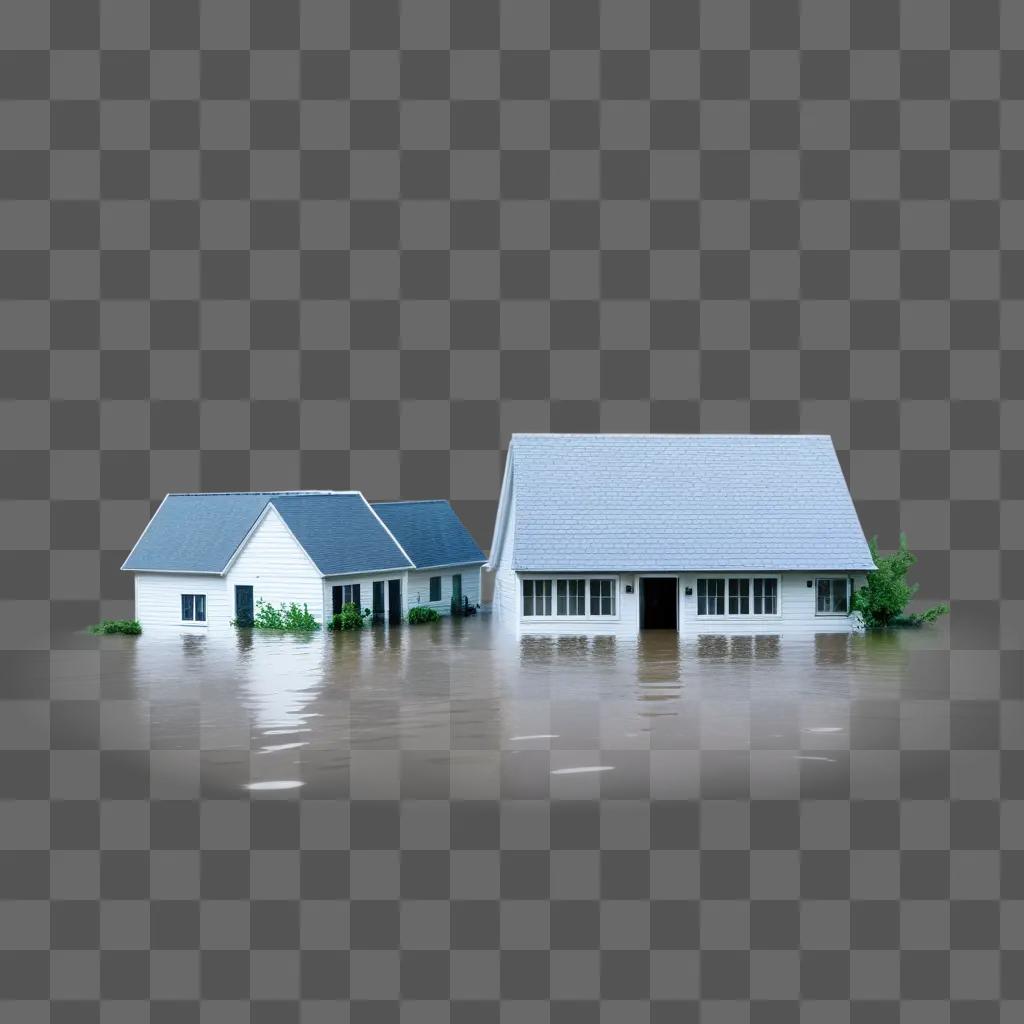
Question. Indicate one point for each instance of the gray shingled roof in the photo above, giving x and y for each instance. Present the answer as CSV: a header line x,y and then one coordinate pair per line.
x,y
430,532
674,502
201,532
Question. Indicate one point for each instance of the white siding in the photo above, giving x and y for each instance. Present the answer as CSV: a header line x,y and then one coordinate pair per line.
x,y
418,590
797,609
158,601
276,567
365,588
505,601
624,623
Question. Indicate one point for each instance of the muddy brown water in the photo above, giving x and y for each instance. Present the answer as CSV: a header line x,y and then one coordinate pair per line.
x,y
457,710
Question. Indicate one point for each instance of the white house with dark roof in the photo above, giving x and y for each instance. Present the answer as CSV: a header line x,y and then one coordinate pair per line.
x,y
700,533
204,560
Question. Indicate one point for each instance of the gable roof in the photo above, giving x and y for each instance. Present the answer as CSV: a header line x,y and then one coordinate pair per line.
x,y
201,532
340,533
674,502
195,532
430,532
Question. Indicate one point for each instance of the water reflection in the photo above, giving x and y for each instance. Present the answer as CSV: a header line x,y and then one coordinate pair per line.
x,y
458,710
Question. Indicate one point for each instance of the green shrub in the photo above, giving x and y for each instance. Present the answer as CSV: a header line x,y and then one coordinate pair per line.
x,y
130,627
421,613
286,617
883,600
350,617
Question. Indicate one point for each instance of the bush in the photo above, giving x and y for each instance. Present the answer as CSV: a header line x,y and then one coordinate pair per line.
x,y
350,617
130,627
287,617
883,600
421,613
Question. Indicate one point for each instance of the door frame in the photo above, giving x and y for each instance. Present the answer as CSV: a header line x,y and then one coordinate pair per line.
x,y
640,596
252,603
394,614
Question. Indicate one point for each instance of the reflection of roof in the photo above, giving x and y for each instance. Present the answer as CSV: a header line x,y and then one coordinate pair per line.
x,y
201,532
670,502
430,532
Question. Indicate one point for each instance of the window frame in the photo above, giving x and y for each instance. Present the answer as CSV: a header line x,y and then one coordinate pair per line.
x,y
724,580
195,620
553,579
832,580
754,596
430,589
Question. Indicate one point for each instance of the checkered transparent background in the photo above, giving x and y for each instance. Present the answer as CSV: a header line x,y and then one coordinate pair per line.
x,y
357,243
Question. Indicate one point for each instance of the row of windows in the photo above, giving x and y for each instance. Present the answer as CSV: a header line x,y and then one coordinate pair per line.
x,y
570,597
711,596
736,595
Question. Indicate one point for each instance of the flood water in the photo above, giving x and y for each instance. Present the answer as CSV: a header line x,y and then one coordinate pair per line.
x,y
456,710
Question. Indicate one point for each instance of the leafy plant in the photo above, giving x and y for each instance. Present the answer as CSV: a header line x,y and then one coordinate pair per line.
x,y
883,600
350,617
286,617
130,627
421,613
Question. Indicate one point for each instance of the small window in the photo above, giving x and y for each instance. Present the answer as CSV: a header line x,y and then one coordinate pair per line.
x,y
193,607
710,597
536,597
435,588
739,597
766,595
602,597
571,597
833,596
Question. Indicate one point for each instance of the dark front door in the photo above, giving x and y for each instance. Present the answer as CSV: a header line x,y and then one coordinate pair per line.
x,y
394,602
337,600
378,601
243,606
658,602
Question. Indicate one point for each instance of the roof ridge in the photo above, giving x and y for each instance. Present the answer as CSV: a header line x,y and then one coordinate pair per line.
x,y
412,501
748,436
251,494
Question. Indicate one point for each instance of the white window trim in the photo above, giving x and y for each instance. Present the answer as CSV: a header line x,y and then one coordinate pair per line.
x,y
199,623
849,597
740,616
586,617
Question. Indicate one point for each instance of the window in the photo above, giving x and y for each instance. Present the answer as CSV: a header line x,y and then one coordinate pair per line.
x,y
536,597
435,588
739,597
571,597
193,607
602,597
350,594
766,595
710,597
833,596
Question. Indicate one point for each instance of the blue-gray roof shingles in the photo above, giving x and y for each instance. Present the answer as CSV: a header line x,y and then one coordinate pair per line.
x,y
340,533
430,532
201,532
195,532
675,502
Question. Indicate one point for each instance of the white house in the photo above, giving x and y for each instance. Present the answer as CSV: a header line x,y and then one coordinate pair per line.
x,y
700,533
205,560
